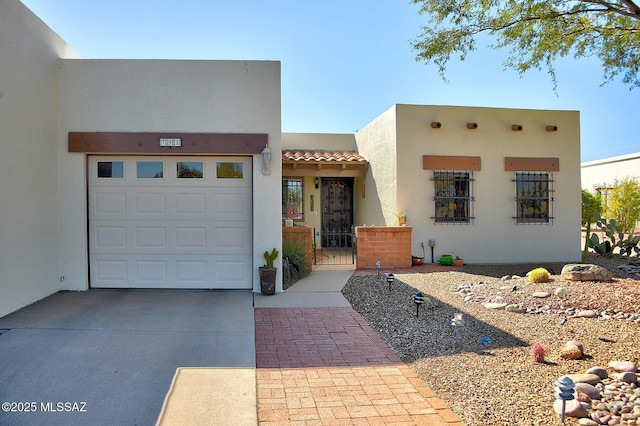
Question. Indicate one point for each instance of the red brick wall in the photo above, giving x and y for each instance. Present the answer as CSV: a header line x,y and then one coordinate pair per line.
x,y
296,235
391,245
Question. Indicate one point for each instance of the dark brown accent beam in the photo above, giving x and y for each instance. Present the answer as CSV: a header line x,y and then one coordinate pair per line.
x,y
531,164
445,162
149,143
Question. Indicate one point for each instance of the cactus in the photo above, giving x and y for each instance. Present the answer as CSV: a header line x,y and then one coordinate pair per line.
x,y
270,257
616,238
538,352
539,275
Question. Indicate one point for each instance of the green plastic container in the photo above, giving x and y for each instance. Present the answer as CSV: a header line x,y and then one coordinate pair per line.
x,y
446,260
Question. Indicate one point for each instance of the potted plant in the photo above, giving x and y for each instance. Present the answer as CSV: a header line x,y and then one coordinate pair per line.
x,y
268,273
415,260
402,218
458,261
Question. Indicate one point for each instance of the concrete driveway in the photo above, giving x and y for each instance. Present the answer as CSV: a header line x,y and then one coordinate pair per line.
x,y
107,357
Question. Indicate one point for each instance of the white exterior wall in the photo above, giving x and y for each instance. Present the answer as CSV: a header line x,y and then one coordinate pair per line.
x,y
604,172
29,238
167,96
493,237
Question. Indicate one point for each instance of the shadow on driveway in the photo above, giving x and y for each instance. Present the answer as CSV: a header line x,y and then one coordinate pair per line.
x,y
114,352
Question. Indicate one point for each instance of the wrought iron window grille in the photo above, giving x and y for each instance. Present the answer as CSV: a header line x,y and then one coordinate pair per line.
x,y
453,199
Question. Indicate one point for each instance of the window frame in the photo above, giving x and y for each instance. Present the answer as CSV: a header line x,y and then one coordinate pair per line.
x,y
463,201
538,198
286,185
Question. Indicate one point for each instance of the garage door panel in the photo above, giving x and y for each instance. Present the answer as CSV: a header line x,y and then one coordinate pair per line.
x,y
169,232
150,204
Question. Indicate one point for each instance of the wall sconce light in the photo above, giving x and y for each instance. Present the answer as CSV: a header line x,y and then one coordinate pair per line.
x,y
266,160
436,124
551,128
472,126
317,182
516,127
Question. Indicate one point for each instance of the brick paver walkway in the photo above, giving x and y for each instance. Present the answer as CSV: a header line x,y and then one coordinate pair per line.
x,y
326,366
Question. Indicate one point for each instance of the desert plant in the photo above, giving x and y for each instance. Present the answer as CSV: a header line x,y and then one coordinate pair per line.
x,y
294,263
538,352
616,238
591,206
270,257
539,275
624,203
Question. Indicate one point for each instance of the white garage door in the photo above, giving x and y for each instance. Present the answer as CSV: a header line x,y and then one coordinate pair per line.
x,y
170,222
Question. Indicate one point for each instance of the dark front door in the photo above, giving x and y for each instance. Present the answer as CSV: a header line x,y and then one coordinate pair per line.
x,y
337,211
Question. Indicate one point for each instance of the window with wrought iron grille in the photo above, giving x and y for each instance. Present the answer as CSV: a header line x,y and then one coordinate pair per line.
x,y
292,197
453,196
534,197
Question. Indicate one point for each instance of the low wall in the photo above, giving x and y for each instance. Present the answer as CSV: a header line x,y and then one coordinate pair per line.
x,y
300,235
391,245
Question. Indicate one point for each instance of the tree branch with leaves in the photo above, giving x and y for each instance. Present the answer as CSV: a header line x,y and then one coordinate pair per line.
x,y
537,33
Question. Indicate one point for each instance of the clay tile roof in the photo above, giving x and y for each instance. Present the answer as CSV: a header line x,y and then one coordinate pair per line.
x,y
309,155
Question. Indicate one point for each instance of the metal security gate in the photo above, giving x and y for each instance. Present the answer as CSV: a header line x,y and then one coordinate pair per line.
x,y
334,246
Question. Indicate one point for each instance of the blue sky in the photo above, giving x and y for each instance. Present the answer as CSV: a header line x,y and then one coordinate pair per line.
x,y
344,62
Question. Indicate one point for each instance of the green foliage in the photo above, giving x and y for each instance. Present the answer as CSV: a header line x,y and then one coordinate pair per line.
x,y
624,203
539,275
294,263
616,238
538,32
591,206
270,257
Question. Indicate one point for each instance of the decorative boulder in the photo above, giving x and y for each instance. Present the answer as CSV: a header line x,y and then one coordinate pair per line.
x,y
571,352
585,272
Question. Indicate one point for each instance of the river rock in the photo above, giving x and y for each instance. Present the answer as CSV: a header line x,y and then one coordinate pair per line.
x,y
495,305
587,313
626,377
573,408
592,379
588,389
585,421
571,352
585,272
623,366
541,294
517,308
600,371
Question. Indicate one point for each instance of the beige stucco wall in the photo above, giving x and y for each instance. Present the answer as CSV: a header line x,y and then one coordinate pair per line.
x,y
320,141
167,96
29,240
605,172
493,237
377,143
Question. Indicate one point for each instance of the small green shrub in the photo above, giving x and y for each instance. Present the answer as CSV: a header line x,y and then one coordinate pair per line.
x,y
539,275
294,263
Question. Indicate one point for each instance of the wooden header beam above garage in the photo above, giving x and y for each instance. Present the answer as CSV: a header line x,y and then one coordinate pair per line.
x,y
167,143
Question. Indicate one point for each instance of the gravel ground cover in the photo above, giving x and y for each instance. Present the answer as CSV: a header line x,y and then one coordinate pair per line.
x,y
494,381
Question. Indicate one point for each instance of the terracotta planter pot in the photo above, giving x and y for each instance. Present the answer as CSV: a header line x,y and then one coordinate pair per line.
x,y
416,261
458,262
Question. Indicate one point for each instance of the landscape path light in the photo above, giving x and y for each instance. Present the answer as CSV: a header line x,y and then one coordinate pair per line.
x,y
390,279
458,323
418,299
378,267
564,393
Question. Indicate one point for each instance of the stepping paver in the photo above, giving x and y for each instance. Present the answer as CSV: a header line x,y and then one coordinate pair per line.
x,y
326,366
